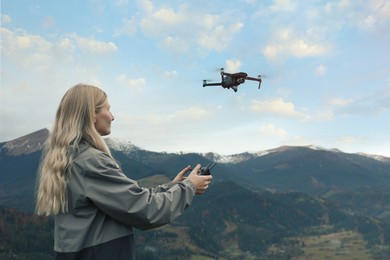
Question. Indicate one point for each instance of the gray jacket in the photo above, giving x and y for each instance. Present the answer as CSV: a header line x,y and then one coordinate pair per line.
x,y
104,204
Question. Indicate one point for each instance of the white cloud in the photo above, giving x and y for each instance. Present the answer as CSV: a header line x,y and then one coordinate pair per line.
x,y
191,113
5,19
98,7
340,102
26,49
381,8
321,70
217,39
376,14
128,27
147,5
368,22
279,107
298,48
176,30
91,45
49,22
269,130
320,116
33,50
131,83
232,65
66,45
290,41
347,140
175,44
37,69
283,6
166,22
374,102
276,106
371,103
170,74
171,123
312,29
122,2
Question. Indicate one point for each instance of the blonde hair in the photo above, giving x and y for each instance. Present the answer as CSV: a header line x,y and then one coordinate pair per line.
x,y
74,122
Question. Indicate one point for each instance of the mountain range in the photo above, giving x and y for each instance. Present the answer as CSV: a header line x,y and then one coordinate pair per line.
x,y
259,204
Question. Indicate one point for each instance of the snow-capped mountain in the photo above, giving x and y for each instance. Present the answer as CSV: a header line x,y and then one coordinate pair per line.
x,y
121,145
310,169
34,142
26,144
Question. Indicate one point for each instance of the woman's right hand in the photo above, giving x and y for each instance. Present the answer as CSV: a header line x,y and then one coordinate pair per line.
x,y
201,182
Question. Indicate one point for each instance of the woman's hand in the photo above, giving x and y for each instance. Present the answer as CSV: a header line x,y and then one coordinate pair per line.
x,y
201,182
180,176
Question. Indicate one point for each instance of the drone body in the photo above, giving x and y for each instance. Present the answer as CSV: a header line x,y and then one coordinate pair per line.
x,y
232,80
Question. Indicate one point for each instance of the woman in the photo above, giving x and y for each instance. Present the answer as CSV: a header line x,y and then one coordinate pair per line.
x,y
94,204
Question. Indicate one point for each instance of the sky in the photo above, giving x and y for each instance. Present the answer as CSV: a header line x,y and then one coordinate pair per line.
x,y
325,68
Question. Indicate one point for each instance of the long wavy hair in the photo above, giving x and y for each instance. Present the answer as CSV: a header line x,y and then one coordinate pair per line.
x,y
74,123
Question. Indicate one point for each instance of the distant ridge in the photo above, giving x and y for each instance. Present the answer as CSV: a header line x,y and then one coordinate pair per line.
x,y
33,142
26,144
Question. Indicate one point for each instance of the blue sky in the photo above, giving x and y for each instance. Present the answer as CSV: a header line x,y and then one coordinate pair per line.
x,y
327,68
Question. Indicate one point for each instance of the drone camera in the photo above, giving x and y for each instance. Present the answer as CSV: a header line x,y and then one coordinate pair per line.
x,y
206,170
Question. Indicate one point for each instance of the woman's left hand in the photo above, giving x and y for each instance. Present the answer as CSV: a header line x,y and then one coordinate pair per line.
x,y
180,176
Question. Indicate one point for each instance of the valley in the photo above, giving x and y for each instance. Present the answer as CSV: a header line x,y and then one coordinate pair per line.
x,y
285,203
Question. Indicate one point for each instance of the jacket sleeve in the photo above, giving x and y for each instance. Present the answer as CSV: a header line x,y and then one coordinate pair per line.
x,y
124,200
163,187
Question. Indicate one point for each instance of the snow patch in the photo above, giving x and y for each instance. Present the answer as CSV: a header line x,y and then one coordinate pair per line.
x,y
122,145
376,157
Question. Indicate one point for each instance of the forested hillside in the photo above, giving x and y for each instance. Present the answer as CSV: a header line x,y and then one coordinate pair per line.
x,y
275,204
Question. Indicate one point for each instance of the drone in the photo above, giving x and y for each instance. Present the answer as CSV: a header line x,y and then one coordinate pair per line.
x,y
232,80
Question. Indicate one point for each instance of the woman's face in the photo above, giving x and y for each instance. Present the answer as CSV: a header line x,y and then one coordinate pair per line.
x,y
103,119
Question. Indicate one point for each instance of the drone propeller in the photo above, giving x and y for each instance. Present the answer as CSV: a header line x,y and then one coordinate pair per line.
x,y
217,69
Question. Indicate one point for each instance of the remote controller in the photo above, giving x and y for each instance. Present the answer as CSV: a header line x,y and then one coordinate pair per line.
x,y
206,170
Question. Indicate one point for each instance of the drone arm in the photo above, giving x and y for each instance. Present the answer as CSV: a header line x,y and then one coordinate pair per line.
x,y
212,84
255,79
260,83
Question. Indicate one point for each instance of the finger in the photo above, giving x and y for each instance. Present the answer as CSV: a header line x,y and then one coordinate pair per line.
x,y
202,189
196,169
186,169
207,178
